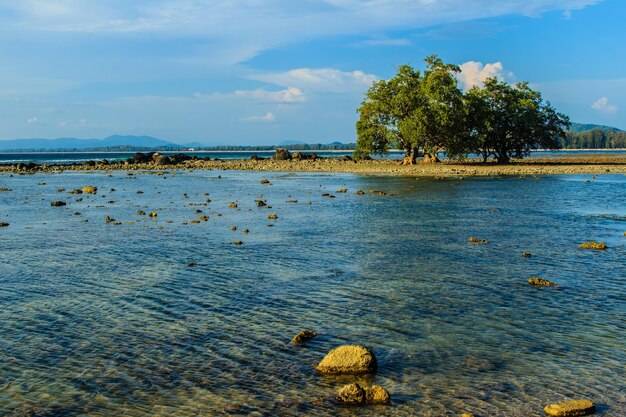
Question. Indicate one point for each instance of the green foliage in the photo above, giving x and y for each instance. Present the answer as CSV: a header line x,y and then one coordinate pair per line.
x,y
427,111
507,121
595,139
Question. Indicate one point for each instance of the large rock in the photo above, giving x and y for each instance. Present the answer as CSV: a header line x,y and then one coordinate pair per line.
x,y
348,360
571,408
282,154
161,159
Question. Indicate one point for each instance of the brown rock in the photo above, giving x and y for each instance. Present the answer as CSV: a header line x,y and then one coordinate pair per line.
x,y
141,212
351,394
272,216
539,282
58,203
476,240
348,360
592,244
88,189
376,395
571,408
303,336
153,214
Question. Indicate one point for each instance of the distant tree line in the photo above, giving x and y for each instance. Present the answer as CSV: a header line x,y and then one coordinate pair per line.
x,y
595,139
426,113
223,148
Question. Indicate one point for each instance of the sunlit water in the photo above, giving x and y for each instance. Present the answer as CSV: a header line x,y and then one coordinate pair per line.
x,y
100,319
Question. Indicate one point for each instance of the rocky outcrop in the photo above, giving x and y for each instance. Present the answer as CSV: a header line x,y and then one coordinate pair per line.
x,y
539,282
592,244
356,394
282,154
303,336
348,360
571,408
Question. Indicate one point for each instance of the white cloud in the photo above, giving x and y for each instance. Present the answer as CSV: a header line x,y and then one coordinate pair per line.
x,y
267,117
288,95
244,28
603,106
475,73
319,80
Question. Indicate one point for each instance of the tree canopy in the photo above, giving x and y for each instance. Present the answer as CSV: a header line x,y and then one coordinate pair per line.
x,y
427,112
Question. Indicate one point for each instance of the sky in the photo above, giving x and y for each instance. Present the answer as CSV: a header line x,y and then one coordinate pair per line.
x,y
268,71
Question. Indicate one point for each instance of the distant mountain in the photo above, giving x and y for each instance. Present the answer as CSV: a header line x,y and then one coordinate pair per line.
x,y
78,144
583,127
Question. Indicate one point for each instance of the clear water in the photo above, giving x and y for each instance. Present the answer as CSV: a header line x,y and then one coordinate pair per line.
x,y
99,319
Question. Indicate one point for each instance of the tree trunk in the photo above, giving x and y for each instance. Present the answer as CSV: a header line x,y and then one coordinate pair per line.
x,y
411,154
503,158
430,158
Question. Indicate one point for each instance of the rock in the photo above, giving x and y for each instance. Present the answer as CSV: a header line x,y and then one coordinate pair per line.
x,y
203,218
467,415
376,395
356,394
153,214
539,282
342,190
360,192
527,254
245,231
592,244
232,205
348,360
109,220
58,203
476,240
303,336
571,408
76,191
260,203
233,228
282,154
272,216
265,182
88,189
8,189
237,243
141,212
162,160
4,224
351,394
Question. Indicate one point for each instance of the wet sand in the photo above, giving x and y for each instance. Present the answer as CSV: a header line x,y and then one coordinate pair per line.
x,y
542,165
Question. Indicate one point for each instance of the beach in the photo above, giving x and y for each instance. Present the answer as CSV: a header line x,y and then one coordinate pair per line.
x,y
569,163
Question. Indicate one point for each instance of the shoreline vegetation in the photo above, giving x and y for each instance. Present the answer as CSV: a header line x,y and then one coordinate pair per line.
x,y
283,161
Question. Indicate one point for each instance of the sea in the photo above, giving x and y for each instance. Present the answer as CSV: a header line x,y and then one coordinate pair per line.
x,y
165,316
63,158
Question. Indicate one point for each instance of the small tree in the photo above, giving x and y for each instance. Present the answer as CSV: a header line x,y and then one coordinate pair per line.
x,y
507,121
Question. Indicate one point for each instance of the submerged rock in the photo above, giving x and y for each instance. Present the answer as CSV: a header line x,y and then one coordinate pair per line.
x,y
348,360
571,408
58,203
477,240
592,244
303,336
527,254
351,394
356,394
539,282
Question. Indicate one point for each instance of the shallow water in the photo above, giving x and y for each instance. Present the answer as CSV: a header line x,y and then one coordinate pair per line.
x,y
99,319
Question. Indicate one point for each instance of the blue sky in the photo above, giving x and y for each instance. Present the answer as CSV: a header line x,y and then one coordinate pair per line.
x,y
266,71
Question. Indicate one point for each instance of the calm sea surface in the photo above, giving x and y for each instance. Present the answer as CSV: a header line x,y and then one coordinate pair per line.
x,y
101,319
62,158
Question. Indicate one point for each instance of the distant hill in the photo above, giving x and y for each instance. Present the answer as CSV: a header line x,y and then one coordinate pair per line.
x,y
115,141
583,127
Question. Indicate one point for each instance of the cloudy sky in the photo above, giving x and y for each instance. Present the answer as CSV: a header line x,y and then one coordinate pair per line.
x,y
266,71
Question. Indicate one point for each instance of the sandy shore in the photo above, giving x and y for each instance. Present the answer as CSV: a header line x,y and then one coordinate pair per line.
x,y
544,165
